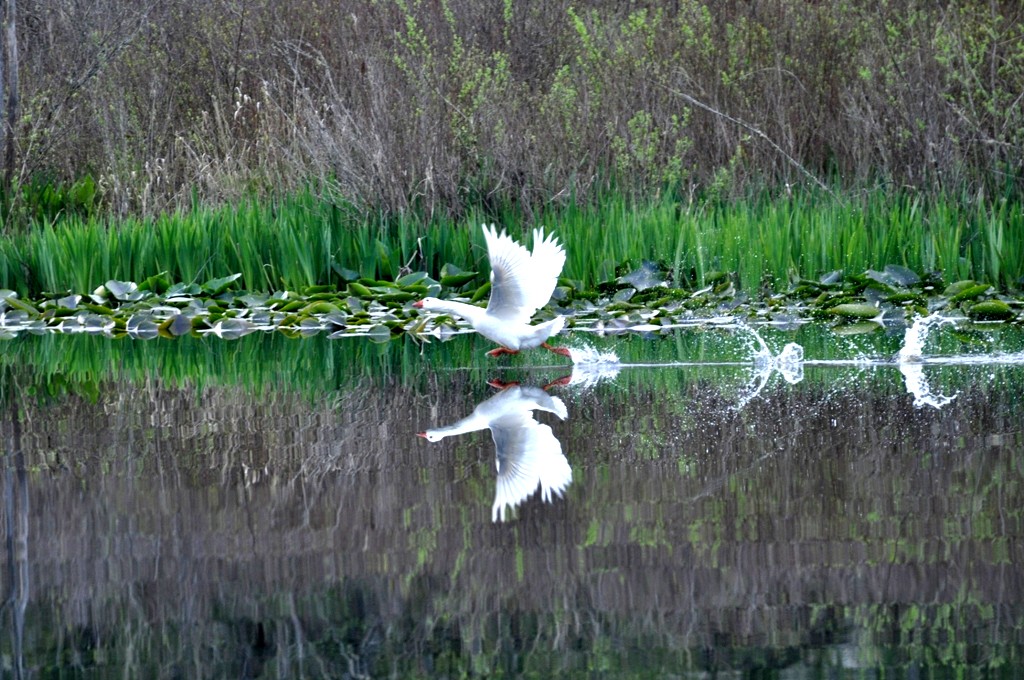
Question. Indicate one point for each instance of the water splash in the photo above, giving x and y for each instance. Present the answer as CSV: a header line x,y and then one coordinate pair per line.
x,y
591,366
760,352
917,385
589,356
789,363
910,361
915,336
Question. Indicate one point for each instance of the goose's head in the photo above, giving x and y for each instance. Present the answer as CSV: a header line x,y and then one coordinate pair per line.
x,y
427,303
431,435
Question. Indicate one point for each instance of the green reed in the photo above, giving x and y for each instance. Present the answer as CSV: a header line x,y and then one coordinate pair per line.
x,y
806,235
308,239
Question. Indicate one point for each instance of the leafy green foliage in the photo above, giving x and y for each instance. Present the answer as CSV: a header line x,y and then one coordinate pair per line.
x,y
43,198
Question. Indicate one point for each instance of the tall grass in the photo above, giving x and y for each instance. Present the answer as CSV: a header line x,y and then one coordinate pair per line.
x,y
307,240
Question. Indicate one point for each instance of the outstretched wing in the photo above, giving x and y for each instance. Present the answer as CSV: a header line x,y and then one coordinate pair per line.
x,y
528,455
521,282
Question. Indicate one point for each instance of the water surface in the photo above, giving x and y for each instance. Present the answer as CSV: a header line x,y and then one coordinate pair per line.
x,y
264,508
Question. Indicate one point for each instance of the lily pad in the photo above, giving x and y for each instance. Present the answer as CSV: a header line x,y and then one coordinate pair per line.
x,y
320,307
411,279
901,275
231,329
125,291
336,319
158,283
310,326
344,273
452,276
321,290
17,303
713,278
142,327
218,286
831,278
359,290
647,275
481,292
990,310
958,287
895,276
177,325
379,333
183,290
253,300
859,328
855,310
15,317
95,324
69,301
971,293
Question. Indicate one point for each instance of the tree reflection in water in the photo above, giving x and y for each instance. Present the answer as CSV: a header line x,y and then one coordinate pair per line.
x,y
214,531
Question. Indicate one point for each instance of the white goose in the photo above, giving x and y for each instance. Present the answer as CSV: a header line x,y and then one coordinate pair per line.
x,y
521,283
527,454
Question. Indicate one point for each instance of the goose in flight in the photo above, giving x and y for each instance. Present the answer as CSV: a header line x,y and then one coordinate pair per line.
x,y
521,283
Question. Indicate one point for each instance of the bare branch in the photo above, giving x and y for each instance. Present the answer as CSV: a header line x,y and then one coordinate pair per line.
x,y
750,128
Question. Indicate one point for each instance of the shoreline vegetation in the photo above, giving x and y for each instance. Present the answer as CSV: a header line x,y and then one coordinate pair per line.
x,y
304,265
300,146
766,243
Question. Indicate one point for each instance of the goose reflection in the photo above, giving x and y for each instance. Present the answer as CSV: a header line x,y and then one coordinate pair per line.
x,y
527,453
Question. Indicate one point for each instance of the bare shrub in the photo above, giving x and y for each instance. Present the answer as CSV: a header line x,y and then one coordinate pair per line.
x,y
438,106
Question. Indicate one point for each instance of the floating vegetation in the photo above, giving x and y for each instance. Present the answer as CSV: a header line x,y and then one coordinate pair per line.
x,y
642,301
375,309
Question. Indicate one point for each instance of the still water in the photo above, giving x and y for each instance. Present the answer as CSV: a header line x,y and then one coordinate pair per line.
x,y
721,505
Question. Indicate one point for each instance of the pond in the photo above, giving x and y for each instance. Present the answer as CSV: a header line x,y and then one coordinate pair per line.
x,y
725,501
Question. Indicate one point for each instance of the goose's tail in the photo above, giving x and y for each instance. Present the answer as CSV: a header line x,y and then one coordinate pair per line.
x,y
543,331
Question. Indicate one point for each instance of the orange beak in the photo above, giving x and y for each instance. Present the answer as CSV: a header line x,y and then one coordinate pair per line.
x,y
418,304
